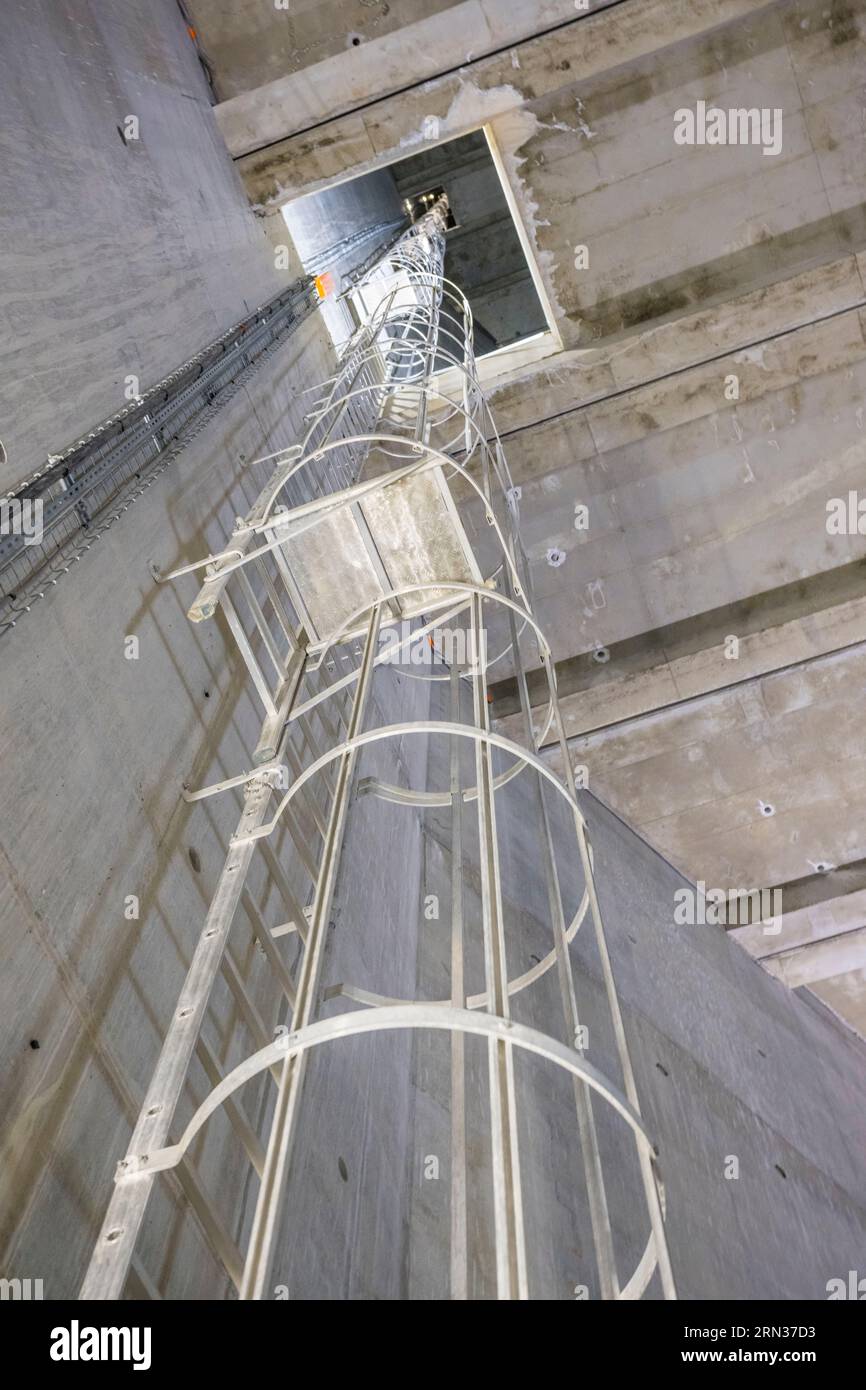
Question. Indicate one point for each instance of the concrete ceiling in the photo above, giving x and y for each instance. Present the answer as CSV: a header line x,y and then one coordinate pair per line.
x,y
250,43
707,513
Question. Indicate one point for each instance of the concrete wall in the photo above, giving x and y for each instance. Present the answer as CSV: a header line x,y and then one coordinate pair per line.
x,y
120,258
345,1230
250,44
695,501
707,519
317,223
728,1063
671,227
95,750
282,72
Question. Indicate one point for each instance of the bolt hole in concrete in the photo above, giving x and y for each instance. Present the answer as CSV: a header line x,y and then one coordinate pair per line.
x,y
34,1043
195,859
343,1169
767,809
601,655
207,694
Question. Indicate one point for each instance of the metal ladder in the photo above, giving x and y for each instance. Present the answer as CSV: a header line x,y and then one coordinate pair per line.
x,y
373,540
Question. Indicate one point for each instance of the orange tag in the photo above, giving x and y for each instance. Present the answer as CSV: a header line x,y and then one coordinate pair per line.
x,y
324,284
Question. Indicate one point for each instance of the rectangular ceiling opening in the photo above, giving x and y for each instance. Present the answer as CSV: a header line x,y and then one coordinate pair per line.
x,y
341,228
